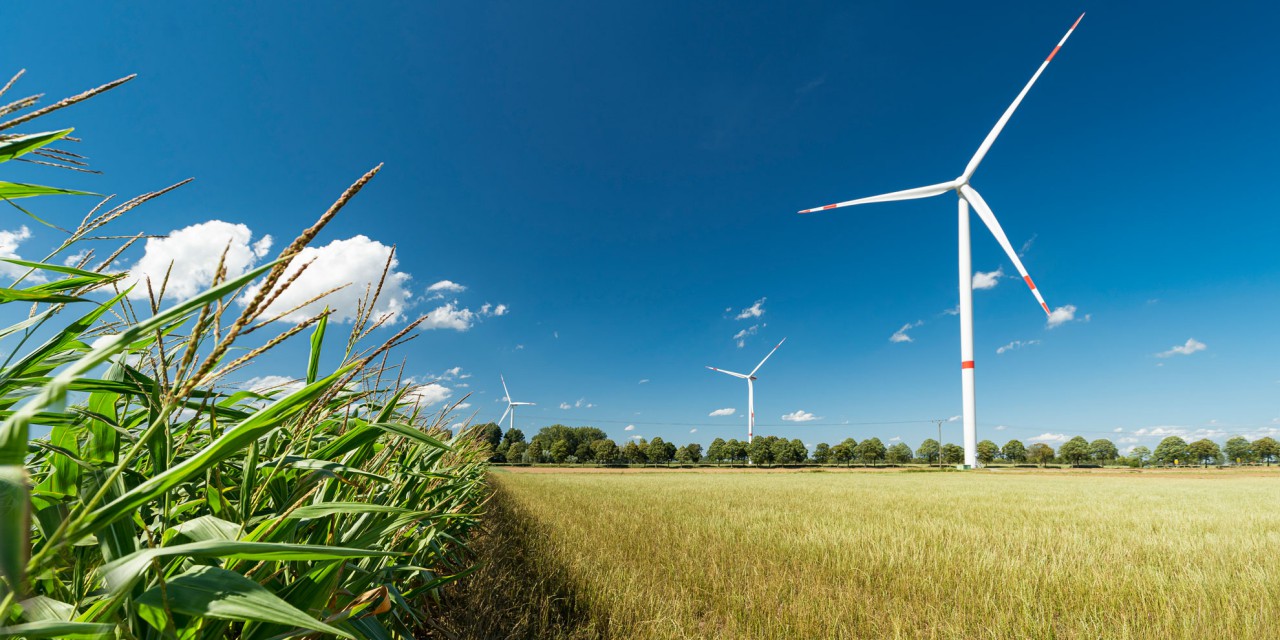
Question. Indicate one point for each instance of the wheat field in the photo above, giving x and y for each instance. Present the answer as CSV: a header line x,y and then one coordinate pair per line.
x,y
752,554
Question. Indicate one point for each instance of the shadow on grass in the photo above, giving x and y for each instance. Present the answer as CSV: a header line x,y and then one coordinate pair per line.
x,y
516,592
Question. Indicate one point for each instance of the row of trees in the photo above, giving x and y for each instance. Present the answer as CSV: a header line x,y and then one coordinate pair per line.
x,y
561,444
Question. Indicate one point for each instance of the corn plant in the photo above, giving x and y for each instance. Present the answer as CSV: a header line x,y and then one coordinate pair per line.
x,y
166,501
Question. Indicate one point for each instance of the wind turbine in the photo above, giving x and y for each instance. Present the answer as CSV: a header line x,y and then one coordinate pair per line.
x,y
969,196
751,392
511,406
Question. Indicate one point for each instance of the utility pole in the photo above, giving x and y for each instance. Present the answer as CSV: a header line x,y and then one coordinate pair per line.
x,y
939,423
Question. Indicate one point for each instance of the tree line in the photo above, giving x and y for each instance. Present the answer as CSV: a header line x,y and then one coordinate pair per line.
x,y
560,444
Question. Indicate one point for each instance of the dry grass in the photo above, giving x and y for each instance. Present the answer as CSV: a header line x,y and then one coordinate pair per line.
x,y
875,555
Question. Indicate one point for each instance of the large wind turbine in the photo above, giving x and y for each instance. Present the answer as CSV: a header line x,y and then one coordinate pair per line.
x,y
968,196
751,392
511,405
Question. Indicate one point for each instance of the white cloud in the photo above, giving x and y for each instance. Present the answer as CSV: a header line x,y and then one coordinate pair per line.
x,y
519,347
9,241
643,381
630,427
356,262
1000,427
1192,345
754,311
693,430
446,286
800,415
1119,430
71,260
452,316
901,334
1050,437
1062,315
895,439
637,438
566,406
263,384
741,336
1026,246
727,411
193,252
953,311
953,418
463,405
987,279
428,394
1016,344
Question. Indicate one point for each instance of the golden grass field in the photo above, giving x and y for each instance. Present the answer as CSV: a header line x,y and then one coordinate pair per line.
x,y
996,554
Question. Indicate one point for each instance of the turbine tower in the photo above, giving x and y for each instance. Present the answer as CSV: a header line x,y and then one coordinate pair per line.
x,y
511,405
751,392
969,196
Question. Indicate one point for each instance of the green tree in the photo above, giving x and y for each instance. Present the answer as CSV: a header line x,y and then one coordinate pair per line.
x,y
1014,451
690,453
1238,450
511,437
632,453
1103,451
928,451
657,451
1040,453
760,451
735,450
517,452
822,453
952,454
899,453
604,451
716,452
798,450
491,434
1171,450
1205,451
1139,455
987,452
1074,451
584,452
1266,449
559,451
841,453
870,451
783,452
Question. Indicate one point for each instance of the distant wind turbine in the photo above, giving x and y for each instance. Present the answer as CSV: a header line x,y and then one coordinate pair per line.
x,y
751,392
511,405
968,196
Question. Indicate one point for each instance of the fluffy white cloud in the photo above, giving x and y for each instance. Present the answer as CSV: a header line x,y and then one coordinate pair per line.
x,y
693,430
446,286
1016,344
9,241
428,394
1048,438
953,418
727,411
741,336
1119,429
451,316
566,406
1062,315
643,381
263,384
987,279
1192,345
895,439
356,262
800,415
754,311
901,334
637,438
71,260
193,253
1001,427
630,427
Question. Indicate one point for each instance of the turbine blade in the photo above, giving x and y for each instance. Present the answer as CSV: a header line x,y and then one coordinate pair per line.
x,y
984,212
753,371
909,194
991,137
504,387
504,415
736,375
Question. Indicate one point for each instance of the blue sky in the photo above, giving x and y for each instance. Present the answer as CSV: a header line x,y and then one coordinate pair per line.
x,y
623,178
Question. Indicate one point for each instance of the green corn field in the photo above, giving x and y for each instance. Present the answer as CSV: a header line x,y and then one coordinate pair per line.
x,y
144,493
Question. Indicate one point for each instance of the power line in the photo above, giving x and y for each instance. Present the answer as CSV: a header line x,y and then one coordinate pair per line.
x,y
721,424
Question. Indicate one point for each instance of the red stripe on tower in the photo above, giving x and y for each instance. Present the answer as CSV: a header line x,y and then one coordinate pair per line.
x,y
830,206
1051,55
967,364
1046,309
1029,282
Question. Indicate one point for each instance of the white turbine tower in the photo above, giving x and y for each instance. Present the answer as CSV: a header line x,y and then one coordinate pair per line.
x,y
751,392
511,405
968,196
